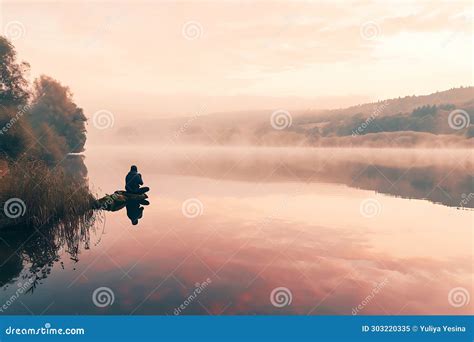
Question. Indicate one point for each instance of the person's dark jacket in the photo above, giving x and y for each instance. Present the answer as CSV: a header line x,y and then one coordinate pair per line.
x,y
133,180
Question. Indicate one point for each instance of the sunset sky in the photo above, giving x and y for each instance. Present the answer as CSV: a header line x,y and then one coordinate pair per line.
x,y
166,57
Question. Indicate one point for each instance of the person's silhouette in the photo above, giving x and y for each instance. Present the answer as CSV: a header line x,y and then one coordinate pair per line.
x,y
133,181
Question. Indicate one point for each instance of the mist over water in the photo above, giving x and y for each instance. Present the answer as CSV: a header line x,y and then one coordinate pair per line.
x,y
441,176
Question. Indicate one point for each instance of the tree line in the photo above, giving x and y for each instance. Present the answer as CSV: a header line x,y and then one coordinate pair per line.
x,y
38,121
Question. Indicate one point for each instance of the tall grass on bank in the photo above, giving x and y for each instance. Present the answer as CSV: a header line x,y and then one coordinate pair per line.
x,y
49,195
58,217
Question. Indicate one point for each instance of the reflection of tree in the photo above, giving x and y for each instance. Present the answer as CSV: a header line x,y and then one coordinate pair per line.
x,y
11,261
30,252
444,183
418,182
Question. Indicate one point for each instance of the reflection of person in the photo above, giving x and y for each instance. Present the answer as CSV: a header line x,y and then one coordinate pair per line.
x,y
133,181
134,211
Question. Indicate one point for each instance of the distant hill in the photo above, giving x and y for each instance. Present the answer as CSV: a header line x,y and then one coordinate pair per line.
x,y
456,96
438,119
429,113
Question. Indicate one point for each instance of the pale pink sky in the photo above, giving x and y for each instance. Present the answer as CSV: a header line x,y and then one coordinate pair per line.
x,y
304,54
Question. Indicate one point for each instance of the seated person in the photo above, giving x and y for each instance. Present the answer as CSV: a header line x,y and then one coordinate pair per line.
x,y
133,181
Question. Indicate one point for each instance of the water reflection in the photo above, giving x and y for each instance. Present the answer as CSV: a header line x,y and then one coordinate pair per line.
x,y
31,255
444,177
279,224
29,252
134,204
135,210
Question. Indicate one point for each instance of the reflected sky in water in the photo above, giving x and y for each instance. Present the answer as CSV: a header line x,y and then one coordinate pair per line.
x,y
271,218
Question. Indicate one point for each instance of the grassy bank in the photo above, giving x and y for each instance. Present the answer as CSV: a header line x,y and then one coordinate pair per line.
x,y
33,195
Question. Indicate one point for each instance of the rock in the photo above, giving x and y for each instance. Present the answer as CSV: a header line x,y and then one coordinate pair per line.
x,y
117,200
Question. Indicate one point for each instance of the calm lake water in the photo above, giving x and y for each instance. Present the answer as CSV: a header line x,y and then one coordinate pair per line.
x,y
265,231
